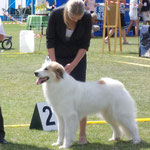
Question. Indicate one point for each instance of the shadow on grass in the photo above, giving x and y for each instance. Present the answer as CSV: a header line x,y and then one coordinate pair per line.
x,y
133,53
16,146
123,145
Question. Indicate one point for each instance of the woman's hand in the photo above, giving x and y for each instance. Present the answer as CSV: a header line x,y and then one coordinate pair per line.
x,y
69,67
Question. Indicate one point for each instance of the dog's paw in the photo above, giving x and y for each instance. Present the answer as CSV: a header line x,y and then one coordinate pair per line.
x,y
114,139
137,141
56,144
111,139
63,147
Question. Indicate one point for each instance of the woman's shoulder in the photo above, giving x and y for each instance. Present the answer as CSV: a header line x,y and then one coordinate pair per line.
x,y
86,15
58,10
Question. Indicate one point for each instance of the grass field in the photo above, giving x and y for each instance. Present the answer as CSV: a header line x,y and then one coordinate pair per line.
x,y
19,93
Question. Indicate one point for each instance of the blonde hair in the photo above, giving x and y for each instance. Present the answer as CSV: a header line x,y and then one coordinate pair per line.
x,y
75,7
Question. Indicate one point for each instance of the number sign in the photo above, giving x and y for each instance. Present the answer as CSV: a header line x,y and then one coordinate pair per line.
x,y
43,118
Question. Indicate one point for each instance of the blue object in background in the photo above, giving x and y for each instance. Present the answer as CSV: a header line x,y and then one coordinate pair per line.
x,y
28,2
144,41
60,2
50,2
12,4
100,15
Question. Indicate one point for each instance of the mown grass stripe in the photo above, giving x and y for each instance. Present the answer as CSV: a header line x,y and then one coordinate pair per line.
x,y
129,63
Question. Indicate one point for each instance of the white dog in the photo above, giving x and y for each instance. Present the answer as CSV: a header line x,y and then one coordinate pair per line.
x,y
72,100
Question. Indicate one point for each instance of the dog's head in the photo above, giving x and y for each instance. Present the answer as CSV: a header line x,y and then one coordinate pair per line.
x,y
50,71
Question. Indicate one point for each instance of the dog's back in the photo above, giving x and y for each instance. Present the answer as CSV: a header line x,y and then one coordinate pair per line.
x,y
110,95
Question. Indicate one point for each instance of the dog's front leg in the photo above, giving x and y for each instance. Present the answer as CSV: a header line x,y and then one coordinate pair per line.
x,y
71,125
60,132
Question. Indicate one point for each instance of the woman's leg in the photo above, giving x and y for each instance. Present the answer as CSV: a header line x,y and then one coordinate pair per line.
x,y
111,32
82,138
124,36
129,27
137,27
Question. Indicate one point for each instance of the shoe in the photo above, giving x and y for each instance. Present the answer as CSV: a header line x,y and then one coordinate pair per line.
x,y
3,141
125,42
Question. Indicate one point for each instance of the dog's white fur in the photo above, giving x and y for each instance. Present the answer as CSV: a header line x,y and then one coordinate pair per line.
x,y
72,100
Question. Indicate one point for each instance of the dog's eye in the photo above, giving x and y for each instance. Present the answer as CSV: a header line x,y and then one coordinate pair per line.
x,y
46,69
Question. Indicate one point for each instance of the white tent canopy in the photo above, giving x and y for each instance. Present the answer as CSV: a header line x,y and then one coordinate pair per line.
x,y
3,4
21,3
6,4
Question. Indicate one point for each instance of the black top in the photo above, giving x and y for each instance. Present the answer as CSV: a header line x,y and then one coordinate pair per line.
x,y
56,31
146,5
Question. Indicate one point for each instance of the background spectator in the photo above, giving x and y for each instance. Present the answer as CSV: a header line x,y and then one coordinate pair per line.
x,y
123,24
133,13
2,32
90,5
145,11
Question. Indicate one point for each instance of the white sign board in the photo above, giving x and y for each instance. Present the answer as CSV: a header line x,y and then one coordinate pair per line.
x,y
43,118
4,5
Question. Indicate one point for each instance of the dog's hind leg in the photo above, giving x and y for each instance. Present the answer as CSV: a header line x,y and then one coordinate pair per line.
x,y
114,125
71,125
60,132
116,132
130,129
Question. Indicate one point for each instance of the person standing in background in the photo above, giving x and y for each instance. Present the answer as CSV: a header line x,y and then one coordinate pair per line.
x,y
133,13
90,5
2,132
2,31
51,5
123,24
145,11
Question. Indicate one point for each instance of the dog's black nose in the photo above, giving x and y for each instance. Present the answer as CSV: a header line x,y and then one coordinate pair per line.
x,y
36,74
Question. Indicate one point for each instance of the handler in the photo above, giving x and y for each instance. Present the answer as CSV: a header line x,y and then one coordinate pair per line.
x,y
2,132
68,38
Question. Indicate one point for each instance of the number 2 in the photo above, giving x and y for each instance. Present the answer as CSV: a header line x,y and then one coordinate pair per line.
x,y
48,121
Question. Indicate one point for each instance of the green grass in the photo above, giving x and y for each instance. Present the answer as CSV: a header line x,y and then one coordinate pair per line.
x,y
19,93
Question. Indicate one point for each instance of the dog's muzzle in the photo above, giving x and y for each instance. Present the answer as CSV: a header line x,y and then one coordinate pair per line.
x,y
40,80
36,74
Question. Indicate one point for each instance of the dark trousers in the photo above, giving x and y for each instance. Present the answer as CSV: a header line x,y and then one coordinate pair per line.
x,y
2,132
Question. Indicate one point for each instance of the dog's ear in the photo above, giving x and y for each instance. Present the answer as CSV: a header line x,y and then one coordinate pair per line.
x,y
47,59
59,72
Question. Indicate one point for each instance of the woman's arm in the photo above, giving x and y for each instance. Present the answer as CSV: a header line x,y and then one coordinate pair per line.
x,y
51,36
50,31
51,54
74,63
